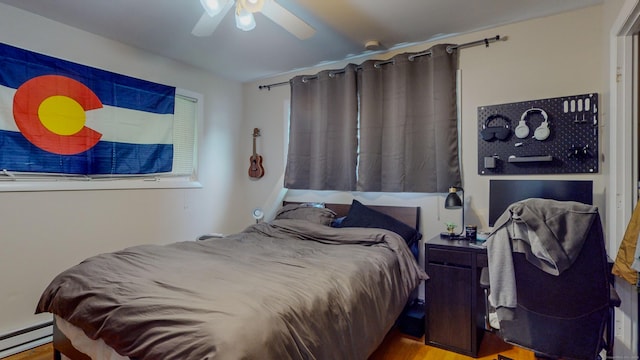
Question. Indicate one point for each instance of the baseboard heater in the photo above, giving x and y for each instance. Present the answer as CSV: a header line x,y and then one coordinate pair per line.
x,y
24,339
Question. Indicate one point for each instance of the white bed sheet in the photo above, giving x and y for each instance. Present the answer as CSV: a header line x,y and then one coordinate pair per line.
x,y
96,349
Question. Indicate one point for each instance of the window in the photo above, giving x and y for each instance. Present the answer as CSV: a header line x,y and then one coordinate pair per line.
x,y
187,116
381,126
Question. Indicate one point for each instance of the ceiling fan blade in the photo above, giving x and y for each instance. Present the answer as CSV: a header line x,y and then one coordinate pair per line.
x,y
287,20
207,24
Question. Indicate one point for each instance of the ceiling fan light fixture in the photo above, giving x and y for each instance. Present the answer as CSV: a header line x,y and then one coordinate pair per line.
x,y
252,5
373,45
213,7
244,19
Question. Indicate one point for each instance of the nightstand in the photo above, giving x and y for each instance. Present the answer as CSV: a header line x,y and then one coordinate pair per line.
x,y
454,300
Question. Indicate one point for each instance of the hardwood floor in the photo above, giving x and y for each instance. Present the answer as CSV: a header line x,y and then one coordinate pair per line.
x,y
396,346
44,352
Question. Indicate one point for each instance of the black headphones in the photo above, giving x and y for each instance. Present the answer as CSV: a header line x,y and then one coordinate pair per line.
x,y
490,133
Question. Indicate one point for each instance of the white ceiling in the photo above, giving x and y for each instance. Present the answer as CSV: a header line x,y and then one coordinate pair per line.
x,y
342,28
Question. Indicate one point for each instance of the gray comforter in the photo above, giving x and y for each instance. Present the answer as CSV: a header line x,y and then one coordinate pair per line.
x,y
288,289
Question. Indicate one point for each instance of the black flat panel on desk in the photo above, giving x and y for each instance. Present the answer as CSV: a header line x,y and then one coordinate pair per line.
x,y
503,193
454,300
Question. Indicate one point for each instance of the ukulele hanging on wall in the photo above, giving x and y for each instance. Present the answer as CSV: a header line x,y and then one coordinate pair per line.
x,y
256,171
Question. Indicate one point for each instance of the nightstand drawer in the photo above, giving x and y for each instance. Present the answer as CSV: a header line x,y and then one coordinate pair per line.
x,y
449,257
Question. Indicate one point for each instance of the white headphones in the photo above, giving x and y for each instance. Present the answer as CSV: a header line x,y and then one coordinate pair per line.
x,y
542,132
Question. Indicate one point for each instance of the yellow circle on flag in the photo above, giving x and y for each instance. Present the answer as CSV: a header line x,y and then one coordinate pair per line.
x,y
62,115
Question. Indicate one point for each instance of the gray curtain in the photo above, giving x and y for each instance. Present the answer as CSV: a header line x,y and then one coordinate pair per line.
x,y
408,123
408,134
323,137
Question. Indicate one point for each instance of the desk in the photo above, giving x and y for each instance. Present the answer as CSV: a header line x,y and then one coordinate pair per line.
x,y
453,298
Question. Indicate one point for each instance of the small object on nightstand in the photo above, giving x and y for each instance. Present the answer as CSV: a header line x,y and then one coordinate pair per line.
x,y
482,236
453,236
451,227
471,231
477,245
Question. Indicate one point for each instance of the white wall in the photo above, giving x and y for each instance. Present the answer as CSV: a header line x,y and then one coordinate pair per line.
x,y
43,233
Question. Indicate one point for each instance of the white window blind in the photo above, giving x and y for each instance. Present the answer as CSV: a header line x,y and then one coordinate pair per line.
x,y
184,135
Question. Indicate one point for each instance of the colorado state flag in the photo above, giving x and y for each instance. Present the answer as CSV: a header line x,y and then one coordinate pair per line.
x,y
61,117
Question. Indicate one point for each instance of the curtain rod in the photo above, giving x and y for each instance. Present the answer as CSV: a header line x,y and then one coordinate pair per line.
x,y
450,49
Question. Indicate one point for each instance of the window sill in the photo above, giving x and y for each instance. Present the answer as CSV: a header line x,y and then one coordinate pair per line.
x,y
98,184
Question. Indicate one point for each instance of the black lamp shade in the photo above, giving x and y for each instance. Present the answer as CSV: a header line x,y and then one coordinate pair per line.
x,y
453,201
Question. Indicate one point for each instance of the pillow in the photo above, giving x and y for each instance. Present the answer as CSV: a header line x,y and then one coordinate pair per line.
x,y
318,215
362,216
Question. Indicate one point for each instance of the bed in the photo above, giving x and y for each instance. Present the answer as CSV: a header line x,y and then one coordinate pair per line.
x,y
318,282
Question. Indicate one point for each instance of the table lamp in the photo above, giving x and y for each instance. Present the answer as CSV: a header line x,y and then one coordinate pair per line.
x,y
453,201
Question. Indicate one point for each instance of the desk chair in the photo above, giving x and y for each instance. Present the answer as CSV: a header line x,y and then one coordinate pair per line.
x,y
569,316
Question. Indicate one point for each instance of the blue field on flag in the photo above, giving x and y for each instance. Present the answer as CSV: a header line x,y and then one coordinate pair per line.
x,y
134,119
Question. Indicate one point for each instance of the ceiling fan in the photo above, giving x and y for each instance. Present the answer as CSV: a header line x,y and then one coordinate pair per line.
x,y
215,11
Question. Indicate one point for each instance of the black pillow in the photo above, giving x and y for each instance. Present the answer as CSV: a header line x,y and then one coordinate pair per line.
x,y
362,216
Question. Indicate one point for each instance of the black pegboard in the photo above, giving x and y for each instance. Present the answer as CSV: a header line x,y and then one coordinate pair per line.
x,y
572,146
